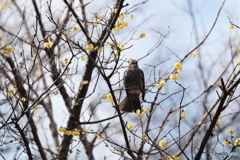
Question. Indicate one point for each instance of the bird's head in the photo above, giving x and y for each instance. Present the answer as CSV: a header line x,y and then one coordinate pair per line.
x,y
133,63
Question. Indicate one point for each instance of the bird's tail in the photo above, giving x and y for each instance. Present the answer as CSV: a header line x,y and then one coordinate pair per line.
x,y
131,103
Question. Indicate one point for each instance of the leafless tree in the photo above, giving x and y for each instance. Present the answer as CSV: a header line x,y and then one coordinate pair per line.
x,y
62,66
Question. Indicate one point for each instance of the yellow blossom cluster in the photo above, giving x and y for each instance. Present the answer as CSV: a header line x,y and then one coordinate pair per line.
x,y
173,77
145,137
58,149
82,59
35,108
67,132
65,60
231,26
194,54
142,35
4,4
237,142
24,99
162,144
226,142
14,90
173,158
238,61
145,110
183,113
99,137
7,50
109,97
230,131
10,94
99,50
218,122
120,25
48,44
96,22
129,126
131,16
139,114
74,29
89,47
121,15
161,84
178,67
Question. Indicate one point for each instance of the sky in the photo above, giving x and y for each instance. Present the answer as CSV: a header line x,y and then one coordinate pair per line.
x,y
171,18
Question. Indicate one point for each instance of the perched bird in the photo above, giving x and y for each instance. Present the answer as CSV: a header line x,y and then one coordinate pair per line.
x,y
134,85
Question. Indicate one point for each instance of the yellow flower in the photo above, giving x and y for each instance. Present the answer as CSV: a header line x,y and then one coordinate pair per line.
x,y
218,122
116,52
84,131
82,59
24,99
100,16
65,60
131,16
145,110
178,72
110,98
67,132
7,50
99,137
177,65
173,77
112,44
161,84
142,35
230,131
162,143
115,10
14,90
9,94
63,36
121,46
173,158
74,29
237,142
130,126
122,15
68,69
226,142
95,22
35,108
62,129
194,54
75,133
4,5
120,25
58,148
48,44
182,116
138,111
99,50
89,47
141,115
238,61
145,137
231,26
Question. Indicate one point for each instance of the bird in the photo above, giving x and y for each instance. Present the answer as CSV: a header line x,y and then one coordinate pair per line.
x,y
134,85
